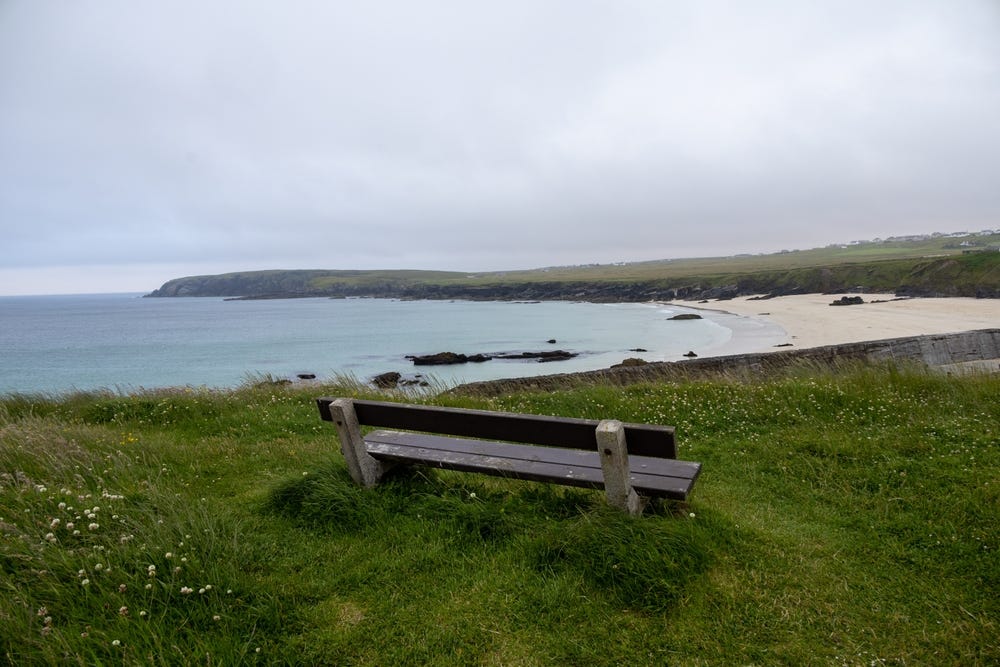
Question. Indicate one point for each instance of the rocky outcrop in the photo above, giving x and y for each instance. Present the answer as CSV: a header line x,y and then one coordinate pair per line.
x,y
446,359
552,355
848,301
631,361
685,316
388,380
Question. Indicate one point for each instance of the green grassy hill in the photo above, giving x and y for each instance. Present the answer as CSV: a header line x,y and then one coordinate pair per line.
x,y
935,266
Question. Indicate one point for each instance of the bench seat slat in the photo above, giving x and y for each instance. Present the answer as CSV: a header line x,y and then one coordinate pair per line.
x,y
650,476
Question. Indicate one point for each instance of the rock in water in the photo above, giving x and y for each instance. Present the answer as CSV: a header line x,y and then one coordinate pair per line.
x,y
388,380
549,355
446,358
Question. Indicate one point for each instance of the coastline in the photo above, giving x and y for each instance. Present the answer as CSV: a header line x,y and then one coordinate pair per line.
x,y
808,320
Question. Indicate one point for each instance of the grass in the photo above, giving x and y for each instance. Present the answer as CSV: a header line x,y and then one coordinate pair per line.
x,y
844,518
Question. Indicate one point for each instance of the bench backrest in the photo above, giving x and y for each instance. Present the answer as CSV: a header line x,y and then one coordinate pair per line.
x,y
641,439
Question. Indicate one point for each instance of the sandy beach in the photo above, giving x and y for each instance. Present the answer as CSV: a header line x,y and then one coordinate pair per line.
x,y
808,320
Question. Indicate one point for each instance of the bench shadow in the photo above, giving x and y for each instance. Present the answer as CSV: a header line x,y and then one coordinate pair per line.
x,y
646,563
467,507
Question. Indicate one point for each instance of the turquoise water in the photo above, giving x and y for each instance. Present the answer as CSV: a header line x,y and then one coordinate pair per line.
x,y
123,342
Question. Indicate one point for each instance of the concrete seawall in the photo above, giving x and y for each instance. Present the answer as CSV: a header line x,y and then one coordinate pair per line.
x,y
937,350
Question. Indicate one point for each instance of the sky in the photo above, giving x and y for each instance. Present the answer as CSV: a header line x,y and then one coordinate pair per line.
x,y
145,140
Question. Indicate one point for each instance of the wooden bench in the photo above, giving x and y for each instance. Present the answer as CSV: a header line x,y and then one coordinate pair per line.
x,y
631,462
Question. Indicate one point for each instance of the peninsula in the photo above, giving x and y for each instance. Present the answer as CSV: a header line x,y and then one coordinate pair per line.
x,y
939,265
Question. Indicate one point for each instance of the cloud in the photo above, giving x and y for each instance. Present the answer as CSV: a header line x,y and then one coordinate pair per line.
x,y
449,135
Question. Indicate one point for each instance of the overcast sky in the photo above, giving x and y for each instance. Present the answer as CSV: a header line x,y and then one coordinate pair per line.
x,y
143,140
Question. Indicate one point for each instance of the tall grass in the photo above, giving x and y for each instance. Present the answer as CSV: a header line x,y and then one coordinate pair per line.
x,y
845,518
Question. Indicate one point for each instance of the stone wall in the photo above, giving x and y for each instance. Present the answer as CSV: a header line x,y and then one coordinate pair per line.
x,y
932,350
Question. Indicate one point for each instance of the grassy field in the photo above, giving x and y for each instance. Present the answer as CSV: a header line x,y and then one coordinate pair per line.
x,y
937,264
831,256
846,518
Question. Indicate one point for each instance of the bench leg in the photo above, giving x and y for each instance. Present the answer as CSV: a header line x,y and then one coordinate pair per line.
x,y
364,470
614,463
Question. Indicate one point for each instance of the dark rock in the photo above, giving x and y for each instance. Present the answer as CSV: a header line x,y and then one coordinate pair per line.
x,y
783,345
552,355
445,358
388,380
551,341
556,355
685,316
782,291
306,376
638,349
631,361
690,354
723,293
848,301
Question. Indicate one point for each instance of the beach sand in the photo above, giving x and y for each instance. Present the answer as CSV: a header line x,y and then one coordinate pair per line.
x,y
808,320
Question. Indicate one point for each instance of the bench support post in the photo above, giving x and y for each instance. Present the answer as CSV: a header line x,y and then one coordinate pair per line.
x,y
364,470
614,464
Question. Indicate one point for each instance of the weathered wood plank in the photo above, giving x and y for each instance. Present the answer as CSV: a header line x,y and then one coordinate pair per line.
x,y
648,476
642,439
364,469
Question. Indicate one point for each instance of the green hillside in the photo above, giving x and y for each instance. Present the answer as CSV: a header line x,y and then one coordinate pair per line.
x,y
844,518
943,265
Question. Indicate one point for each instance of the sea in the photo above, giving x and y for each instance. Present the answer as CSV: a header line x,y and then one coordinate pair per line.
x,y
125,343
